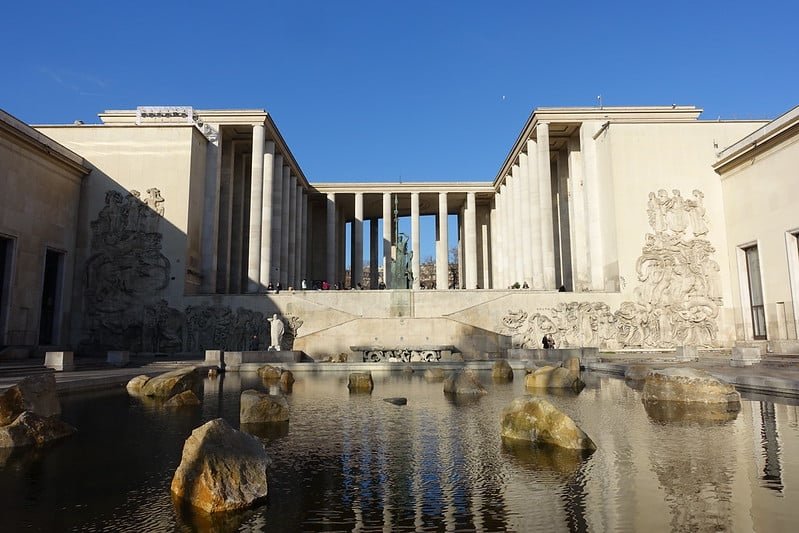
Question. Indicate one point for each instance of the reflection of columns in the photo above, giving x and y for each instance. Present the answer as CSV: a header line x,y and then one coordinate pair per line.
x,y
545,205
284,230
415,238
330,270
470,250
535,215
356,243
442,257
210,227
256,202
592,217
277,219
387,224
266,213
526,213
373,253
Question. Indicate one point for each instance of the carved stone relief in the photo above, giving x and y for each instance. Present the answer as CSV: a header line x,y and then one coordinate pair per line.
x,y
215,327
676,303
126,275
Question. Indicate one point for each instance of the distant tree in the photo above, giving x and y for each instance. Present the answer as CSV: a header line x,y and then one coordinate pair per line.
x,y
453,268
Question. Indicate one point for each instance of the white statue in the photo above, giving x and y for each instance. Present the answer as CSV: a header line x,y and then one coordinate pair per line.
x,y
276,330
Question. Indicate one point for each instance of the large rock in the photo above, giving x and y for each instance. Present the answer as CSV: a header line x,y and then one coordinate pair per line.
x,y
167,385
501,370
258,408
135,385
286,380
30,429
35,394
463,382
637,372
269,373
549,377
360,382
688,385
221,469
538,421
186,398
434,375
572,364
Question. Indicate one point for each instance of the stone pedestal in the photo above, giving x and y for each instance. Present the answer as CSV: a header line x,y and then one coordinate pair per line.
x,y
215,357
61,361
744,356
686,353
118,357
234,360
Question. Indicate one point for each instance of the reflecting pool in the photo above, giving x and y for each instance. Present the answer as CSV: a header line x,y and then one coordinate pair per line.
x,y
354,462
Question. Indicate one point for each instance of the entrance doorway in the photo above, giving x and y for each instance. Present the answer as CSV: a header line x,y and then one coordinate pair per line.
x,y
6,250
49,325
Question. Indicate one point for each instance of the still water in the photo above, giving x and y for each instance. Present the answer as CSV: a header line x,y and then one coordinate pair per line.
x,y
358,463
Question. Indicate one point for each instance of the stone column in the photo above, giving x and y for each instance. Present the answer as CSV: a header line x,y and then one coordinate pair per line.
x,y
331,238
210,227
356,261
577,219
525,216
387,223
238,232
304,248
341,247
485,248
461,269
535,215
277,220
296,252
373,267
415,240
292,219
563,248
545,205
256,203
516,210
225,217
592,218
284,230
266,214
502,214
442,253
470,250
495,243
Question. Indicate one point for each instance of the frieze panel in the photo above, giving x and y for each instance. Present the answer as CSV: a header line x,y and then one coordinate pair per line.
x,y
676,302
216,327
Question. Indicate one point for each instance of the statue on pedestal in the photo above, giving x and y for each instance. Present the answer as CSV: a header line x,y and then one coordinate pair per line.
x,y
276,330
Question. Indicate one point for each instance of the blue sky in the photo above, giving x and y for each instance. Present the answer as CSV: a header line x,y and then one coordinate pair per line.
x,y
378,90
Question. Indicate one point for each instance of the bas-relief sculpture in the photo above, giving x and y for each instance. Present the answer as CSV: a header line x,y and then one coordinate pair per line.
x,y
216,327
126,275
676,303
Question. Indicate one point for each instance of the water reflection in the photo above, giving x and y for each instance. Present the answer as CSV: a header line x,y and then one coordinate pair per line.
x,y
355,462
669,412
770,443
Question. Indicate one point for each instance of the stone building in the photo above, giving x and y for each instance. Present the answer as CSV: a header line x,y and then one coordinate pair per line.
x,y
614,220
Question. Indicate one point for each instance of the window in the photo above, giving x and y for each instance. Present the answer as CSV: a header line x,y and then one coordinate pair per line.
x,y
755,293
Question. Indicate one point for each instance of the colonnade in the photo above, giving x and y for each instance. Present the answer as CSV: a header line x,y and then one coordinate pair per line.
x,y
263,214
536,226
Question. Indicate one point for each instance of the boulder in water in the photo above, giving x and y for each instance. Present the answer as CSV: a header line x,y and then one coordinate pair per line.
x,y
463,382
549,377
360,382
501,370
35,394
538,421
167,385
221,469
259,408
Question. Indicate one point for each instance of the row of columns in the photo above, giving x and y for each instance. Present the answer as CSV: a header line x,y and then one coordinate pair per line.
x,y
548,228
278,227
333,248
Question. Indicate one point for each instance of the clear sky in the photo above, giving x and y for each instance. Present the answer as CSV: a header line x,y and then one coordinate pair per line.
x,y
378,90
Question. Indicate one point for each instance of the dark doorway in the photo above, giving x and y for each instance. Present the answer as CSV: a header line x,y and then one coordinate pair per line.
x,y
51,296
6,249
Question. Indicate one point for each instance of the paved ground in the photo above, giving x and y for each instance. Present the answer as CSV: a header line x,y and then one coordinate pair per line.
x,y
775,375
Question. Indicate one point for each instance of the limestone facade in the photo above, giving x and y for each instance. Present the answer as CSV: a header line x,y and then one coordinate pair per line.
x,y
612,222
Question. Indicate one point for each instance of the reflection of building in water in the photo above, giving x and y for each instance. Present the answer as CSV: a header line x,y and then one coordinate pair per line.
x,y
770,443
